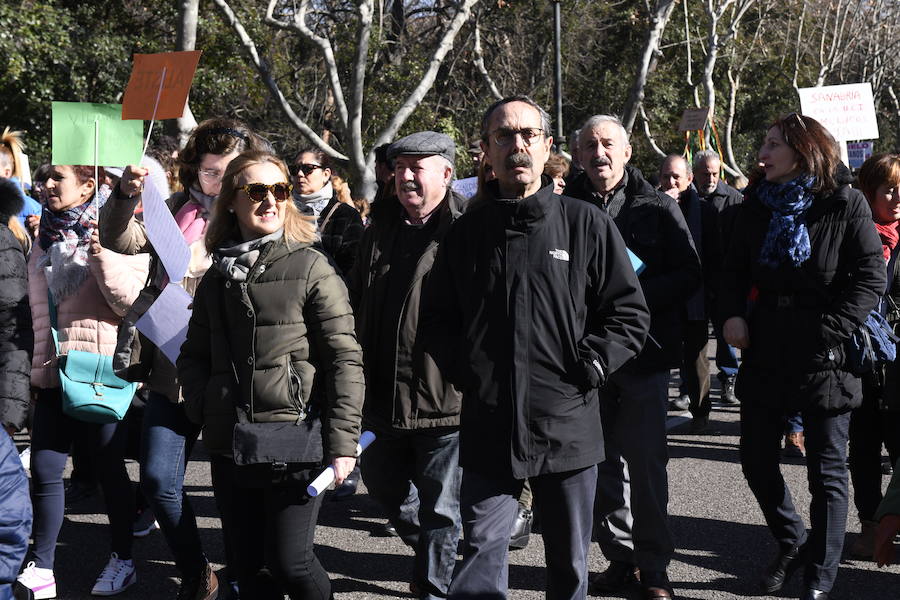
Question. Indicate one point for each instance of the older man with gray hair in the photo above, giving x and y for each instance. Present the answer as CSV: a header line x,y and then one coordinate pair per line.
x,y
410,404
727,201
630,517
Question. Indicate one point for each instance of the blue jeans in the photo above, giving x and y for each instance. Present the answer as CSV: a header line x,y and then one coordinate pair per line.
x,y
166,443
793,423
726,357
428,458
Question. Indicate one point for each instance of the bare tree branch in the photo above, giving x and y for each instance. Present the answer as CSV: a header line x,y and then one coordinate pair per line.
x,y
658,20
263,69
415,97
479,63
647,133
298,24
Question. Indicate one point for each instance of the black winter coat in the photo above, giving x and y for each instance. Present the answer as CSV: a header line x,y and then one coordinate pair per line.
x,y
422,397
530,305
16,333
341,234
703,222
654,229
799,317
727,201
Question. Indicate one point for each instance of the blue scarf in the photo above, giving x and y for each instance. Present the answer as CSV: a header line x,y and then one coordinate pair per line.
x,y
787,237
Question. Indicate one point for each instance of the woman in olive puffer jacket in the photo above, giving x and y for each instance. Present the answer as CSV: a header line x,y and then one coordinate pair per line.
x,y
270,319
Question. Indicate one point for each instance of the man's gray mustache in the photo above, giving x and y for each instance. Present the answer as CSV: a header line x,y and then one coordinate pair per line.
x,y
518,160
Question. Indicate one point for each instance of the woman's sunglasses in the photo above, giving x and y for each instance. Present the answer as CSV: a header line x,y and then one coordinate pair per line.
x,y
257,192
307,169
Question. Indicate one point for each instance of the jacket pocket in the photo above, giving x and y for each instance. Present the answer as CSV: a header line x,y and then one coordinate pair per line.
x,y
295,388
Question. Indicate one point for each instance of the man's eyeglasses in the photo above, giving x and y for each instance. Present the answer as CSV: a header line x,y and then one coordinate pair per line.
x,y
210,175
257,192
306,168
505,137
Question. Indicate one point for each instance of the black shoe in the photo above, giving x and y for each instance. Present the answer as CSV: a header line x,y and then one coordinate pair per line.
x,y
348,487
728,396
616,577
385,530
655,585
811,594
784,566
699,425
521,531
78,491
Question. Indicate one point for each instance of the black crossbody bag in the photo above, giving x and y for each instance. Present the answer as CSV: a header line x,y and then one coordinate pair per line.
x,y
279,452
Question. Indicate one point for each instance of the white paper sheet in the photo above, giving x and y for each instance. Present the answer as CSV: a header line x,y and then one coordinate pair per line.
x,y
163,232
166,321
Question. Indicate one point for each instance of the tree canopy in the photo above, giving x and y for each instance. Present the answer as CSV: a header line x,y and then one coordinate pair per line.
x,y
745,57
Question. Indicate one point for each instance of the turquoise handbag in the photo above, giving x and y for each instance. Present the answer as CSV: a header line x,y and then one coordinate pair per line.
x,y
91,391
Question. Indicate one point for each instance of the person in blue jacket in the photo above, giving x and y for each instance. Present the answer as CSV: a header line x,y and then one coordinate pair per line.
x,y
16,344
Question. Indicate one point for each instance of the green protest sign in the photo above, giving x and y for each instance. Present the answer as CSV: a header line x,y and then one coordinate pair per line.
x,y
86,134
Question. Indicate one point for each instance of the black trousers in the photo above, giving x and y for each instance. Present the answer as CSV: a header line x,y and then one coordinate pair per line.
x,y
869,428
489,508
826,436
273,529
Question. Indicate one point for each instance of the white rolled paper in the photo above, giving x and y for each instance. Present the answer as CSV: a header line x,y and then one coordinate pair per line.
x,y
326,477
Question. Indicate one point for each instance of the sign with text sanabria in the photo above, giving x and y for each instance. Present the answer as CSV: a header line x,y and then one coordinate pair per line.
x,y
847,111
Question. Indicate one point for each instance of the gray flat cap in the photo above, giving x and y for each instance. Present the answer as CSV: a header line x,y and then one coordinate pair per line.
x,y
424,143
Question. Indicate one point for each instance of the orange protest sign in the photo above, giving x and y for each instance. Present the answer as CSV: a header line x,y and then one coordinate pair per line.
x,y
144,85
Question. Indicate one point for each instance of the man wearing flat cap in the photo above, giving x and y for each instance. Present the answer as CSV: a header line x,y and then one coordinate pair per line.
x,y
410,406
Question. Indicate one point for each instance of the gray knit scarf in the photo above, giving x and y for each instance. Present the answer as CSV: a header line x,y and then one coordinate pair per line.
x,y
316,202
235,259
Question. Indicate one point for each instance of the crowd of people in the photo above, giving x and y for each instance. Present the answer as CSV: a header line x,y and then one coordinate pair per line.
x,y
510,351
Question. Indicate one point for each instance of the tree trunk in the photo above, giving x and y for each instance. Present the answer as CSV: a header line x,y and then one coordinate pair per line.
x,y
185,39
658,22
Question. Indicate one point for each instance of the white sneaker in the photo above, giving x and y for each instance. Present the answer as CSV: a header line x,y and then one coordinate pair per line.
x,y
41,582
115,578
144,524
25,457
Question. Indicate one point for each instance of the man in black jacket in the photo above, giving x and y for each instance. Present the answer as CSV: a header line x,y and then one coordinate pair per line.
x,y
634,401
531,305
675,177
411,408
727,202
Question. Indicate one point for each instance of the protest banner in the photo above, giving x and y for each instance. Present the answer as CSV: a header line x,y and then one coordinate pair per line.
x,y
846,111
858,152
693,119
166,76
85,133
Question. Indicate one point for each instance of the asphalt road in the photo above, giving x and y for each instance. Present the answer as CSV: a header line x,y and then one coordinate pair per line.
x,y
722,543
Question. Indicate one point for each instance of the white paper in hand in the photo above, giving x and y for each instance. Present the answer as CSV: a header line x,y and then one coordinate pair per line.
x,y
166,321
163,232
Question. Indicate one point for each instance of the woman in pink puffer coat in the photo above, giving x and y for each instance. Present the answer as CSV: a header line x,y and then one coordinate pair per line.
x,y
92,288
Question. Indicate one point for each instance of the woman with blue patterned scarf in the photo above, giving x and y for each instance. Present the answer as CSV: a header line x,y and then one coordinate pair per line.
x,y
803,270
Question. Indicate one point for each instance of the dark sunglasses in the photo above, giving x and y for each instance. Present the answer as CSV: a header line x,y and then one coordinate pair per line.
x,y
306,168
257,192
